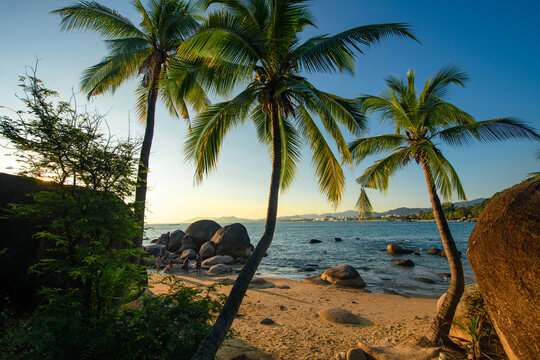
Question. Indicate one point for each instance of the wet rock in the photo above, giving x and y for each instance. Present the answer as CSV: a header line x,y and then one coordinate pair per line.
x,y
433,251
404,262
343,275
314,241
396,249
336,239
425,280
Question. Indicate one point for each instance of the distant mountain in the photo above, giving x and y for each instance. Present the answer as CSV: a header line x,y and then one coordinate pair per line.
x,y
469,203
402,211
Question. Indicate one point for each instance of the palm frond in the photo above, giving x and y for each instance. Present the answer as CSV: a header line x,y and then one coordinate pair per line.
x,y
488,130
438,85
290,153
328,169
377,175
363,147
90,15
210,127
363,204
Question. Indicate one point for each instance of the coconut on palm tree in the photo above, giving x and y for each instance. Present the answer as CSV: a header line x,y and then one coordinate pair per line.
x,y
256,44
148,51
421,122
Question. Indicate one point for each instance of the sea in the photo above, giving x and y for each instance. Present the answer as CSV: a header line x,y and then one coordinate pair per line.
x,y
290,254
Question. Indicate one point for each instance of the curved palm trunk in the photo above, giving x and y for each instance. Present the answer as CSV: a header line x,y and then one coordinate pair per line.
x,y
211,343
142,174
438,332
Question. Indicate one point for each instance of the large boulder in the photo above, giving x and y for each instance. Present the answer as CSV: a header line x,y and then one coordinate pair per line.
x,y
460,316
207,250
344,275
190,253
156,250
219,259
175,241
163,240
396,249
220,269
232,240
202,231
504,252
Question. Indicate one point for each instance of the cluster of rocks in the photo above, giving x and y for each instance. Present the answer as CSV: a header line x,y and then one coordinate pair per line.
x,y
218,246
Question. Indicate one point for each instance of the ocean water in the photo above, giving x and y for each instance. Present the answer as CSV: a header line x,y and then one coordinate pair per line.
x,y
290,251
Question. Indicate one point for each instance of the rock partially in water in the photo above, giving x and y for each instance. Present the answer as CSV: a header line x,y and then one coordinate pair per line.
x,y
396,249
404,262
425,280
343,275
336,239
433,251
314,241
232,240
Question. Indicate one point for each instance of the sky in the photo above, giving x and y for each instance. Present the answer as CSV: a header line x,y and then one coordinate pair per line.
x,y
496,42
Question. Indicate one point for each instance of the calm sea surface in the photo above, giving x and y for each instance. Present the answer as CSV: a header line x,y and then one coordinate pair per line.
x,y
290,251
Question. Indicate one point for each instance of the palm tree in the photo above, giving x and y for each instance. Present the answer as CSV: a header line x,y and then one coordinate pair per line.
x,y
419,121
150,51
256,44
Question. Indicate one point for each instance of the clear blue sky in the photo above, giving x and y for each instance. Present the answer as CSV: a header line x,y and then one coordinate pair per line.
x,y
496,42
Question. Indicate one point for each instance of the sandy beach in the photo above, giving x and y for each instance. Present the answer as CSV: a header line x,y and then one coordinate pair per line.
x,y
299,333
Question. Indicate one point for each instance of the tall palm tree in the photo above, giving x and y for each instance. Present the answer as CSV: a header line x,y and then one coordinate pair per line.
x,y
148,51
256,44
419,121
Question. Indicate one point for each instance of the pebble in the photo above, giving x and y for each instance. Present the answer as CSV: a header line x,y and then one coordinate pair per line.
x,y
267,321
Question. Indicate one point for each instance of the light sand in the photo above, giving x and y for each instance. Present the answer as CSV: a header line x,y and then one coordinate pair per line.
x,y
299,334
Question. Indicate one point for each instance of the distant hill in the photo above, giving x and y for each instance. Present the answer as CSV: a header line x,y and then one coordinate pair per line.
x,y
401,211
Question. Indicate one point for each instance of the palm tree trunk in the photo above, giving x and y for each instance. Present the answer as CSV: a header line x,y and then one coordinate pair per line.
x,y
142,174
211,343
438,332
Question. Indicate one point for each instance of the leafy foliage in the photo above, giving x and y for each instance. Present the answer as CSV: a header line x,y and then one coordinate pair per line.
x,y
90,269
257,45
420,120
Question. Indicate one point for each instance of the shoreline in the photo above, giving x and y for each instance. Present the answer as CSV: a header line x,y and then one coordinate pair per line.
x,y
298,333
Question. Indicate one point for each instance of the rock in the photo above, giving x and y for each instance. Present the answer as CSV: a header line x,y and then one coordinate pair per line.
x,y
154,241
187,243
240,260
404,262
337,239
433,251
314,241
219,259
442,253
163,240
504,252
188,253
400,352
202,231
444,275
256,280
282,307
220,269
267,321
415,253
307,269
339,316
396,249
207,250
232,240
355,354
425,280
156,250
175,240
316,280
343,275
241,357
283,286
